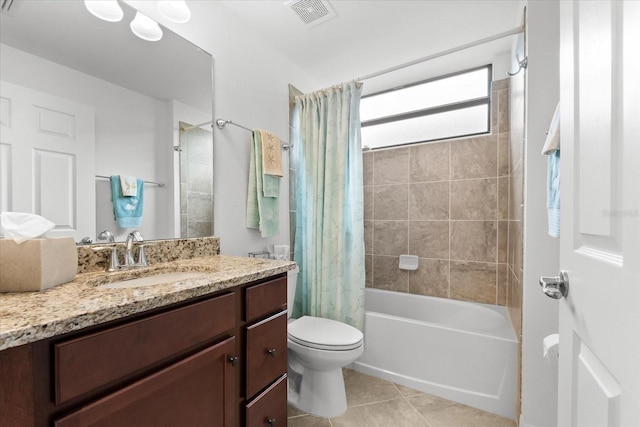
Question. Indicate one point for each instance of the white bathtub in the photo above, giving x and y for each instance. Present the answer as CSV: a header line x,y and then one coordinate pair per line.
x,y
461,351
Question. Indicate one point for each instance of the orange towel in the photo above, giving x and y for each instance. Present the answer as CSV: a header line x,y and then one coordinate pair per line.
x,y
271,154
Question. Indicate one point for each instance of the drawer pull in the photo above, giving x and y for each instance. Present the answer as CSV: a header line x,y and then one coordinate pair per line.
x,y
272,352
271,422
233,360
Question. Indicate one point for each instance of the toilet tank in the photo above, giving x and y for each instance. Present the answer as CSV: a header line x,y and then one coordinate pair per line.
x,y
292,280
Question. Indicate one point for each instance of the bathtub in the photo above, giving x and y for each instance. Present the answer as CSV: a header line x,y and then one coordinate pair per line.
x,y
461,351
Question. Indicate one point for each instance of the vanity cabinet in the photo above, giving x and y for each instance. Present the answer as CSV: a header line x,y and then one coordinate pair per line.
x,y
266,353
215,360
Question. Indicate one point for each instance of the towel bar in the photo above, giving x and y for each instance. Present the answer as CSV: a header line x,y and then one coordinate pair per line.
x,y
159,184
221,123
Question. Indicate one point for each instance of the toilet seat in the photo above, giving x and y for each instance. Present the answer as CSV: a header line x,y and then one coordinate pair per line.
x,y
324,334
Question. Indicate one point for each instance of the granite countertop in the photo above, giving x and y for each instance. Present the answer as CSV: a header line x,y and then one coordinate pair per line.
x,y
32,316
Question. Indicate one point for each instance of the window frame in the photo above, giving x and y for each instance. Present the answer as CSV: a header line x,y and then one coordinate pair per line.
x,y
474,102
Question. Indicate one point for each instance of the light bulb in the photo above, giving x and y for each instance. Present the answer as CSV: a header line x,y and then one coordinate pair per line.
x,y
146,28
108,10
175,10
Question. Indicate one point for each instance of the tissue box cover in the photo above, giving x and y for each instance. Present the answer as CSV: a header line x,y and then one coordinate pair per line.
x,y
37,264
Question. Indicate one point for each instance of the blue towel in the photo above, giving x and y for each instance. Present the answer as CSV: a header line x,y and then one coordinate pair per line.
x,y
127,210
553,193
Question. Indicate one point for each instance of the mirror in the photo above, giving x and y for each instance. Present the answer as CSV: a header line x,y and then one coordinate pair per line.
x,y
140,92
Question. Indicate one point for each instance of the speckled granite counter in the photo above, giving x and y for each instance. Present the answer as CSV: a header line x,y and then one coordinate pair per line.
x,y
29,317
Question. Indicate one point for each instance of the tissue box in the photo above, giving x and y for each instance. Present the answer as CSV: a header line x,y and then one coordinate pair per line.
x,y
37,264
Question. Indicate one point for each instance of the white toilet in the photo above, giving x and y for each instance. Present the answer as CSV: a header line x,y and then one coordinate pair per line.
x,y
318,350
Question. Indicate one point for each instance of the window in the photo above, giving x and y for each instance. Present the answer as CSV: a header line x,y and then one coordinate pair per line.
x,y
445,107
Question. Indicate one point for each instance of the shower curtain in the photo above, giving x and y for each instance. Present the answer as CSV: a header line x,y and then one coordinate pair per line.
x,y
328,193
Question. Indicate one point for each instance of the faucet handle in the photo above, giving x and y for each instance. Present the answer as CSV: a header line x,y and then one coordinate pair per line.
x,y
142,257
106,235
114,262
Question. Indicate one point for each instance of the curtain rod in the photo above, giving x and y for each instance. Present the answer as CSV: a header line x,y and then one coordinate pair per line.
x,y
221,123
159,184
513,31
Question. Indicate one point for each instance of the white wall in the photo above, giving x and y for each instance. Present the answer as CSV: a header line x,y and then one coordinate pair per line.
x,y
541,252
251,88
129,127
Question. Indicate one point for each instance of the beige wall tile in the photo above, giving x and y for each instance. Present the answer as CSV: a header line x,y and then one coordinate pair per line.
x,y
368,237
367,166
387,275
368,202
391,166
473,240
500,84
368,267
431,278
390,202
429,162
503,111
473,281
429,239
390,237
503,154
474,199
503,270
503,197
474,157
503,241
429,201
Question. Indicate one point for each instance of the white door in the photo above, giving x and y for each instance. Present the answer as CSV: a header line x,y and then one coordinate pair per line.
x,y
47,150
599,371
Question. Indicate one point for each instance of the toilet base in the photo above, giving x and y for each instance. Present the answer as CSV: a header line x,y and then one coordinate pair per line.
x,y
319,393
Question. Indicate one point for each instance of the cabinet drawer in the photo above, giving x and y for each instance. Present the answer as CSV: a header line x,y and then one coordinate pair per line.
x,y
265,298
92,361
266,352
270,407
196,392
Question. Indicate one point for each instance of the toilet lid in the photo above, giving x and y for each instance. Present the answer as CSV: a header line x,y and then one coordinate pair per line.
x,y
325,334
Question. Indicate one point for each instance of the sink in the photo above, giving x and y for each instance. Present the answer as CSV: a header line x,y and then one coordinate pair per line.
x,y
153,280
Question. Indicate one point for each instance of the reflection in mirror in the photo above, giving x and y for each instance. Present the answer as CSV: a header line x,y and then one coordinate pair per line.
x,y
105,103
196,181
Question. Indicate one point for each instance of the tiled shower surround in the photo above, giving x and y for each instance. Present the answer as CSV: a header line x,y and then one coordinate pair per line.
x,y
448,203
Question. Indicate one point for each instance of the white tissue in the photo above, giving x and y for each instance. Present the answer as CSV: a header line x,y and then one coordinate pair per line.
x,y
550,347
21,226
281,252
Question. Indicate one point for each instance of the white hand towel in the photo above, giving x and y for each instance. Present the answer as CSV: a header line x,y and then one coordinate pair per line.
x,y
129,185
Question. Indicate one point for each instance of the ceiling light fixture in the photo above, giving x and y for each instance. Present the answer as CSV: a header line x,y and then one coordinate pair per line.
x,y
107,10
175,10
146,28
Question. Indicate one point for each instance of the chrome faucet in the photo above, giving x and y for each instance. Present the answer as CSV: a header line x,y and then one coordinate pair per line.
x,y
129,262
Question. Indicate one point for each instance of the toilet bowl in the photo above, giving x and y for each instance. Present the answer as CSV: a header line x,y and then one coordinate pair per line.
x,y
318,349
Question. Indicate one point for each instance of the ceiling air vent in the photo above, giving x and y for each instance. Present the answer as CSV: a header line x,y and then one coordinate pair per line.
x,y
312,12
6,5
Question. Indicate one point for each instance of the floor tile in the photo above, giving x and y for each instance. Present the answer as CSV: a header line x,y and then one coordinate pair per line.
x,y
362,389
396,413
308,421
406,391
439,412
294,412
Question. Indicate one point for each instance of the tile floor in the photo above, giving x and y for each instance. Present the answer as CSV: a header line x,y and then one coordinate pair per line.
x,y
373,402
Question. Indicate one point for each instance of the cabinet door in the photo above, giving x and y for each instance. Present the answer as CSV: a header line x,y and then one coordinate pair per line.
x,y
197,391
266,352
270,407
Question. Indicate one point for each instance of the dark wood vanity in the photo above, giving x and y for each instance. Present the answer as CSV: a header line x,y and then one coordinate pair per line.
x,y
214,360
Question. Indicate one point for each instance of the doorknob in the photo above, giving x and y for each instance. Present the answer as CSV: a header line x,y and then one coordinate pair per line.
x,y
555,287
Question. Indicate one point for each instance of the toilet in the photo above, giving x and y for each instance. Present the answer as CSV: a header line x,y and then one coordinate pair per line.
x,y
318,350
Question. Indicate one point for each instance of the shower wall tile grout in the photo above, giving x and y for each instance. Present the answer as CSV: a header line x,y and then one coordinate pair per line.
x,y
463,183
